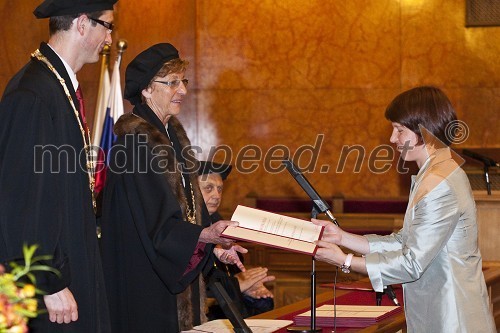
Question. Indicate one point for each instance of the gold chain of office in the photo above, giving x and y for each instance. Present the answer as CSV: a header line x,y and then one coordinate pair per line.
x,y
191,214
85,134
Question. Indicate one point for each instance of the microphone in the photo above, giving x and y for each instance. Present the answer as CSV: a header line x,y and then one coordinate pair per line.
x,y
378,298
320,205
486,160
389,292
392,295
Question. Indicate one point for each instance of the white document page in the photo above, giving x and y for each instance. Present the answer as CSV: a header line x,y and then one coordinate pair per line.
x,y
276,224
256,325
351,311
274,229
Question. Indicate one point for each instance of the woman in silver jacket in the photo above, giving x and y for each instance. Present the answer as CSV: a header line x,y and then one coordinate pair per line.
x,y
435,256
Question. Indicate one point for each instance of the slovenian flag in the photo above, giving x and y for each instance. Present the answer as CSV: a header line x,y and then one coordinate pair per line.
x,y
113,111
102,99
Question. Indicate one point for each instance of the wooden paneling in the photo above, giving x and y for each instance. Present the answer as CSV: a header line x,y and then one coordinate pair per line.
x,y
492,277
488,220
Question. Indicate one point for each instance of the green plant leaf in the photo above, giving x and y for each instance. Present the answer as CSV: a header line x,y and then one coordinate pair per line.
x,y
28,252
45,268
40,292
31,277
41,258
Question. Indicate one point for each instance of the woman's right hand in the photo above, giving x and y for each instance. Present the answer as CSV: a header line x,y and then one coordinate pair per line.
x,y
332,233
329,253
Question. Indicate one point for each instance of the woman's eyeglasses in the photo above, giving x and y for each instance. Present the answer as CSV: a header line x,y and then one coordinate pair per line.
x,y
174,83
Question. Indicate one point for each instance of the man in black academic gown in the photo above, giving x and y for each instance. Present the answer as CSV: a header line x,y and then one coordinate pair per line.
x,y
45,183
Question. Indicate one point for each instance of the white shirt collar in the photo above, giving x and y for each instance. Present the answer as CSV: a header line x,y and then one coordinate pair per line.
x,y
72,75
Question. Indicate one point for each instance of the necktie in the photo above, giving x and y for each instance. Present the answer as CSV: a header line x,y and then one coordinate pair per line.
x,y
79,97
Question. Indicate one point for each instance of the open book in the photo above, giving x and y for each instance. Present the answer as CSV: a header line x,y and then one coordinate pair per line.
x,y
279,231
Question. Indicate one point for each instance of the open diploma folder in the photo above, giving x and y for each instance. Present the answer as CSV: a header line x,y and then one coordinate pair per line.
x,y
274,230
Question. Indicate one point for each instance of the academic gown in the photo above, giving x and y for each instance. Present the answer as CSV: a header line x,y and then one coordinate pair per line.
x,y
47,201
146,243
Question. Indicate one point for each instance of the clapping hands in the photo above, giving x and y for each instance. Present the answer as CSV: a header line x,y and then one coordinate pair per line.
x,y
252,282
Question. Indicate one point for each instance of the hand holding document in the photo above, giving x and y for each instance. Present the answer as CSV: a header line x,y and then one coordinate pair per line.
x,y
274,230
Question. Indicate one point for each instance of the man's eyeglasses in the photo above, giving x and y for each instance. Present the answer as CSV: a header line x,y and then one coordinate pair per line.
x,y
107,25
174,83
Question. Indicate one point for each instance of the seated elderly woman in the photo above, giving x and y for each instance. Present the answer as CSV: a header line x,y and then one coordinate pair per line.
x,y
245,286
154,242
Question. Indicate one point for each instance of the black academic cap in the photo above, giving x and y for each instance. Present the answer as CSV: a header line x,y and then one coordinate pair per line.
x,y
144,67
50,8
207,167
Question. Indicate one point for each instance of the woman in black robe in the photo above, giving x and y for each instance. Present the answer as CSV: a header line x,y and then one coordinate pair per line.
x,y
154,243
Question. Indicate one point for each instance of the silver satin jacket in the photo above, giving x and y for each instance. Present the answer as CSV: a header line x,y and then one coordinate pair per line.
x,y
436,256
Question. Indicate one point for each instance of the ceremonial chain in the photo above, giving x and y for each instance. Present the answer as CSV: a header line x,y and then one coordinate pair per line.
x,y
86,136
191,214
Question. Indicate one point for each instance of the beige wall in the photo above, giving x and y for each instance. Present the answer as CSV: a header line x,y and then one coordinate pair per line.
x,y
283,72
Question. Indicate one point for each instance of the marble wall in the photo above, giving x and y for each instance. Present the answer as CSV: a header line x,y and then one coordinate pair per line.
x,y
285,73
311,77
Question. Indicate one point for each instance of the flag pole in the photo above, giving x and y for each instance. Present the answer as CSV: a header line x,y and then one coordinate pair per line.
x,y
121,47
100,110
114,110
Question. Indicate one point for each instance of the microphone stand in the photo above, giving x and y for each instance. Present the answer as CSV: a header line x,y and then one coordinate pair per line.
x,y
312,328
229,308
319,206
487,162
378,298
487,178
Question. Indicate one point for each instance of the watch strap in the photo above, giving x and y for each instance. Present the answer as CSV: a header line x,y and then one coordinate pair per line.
x,y
346,267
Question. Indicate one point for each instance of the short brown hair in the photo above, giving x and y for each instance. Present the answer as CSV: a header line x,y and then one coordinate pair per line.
x,y
63,23
426,106
172,66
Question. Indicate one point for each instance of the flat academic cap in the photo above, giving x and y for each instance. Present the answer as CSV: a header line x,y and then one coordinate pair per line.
x,y
50,8
207,167
144,67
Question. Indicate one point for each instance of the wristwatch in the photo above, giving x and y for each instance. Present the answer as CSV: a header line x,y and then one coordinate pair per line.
x,y
346,267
